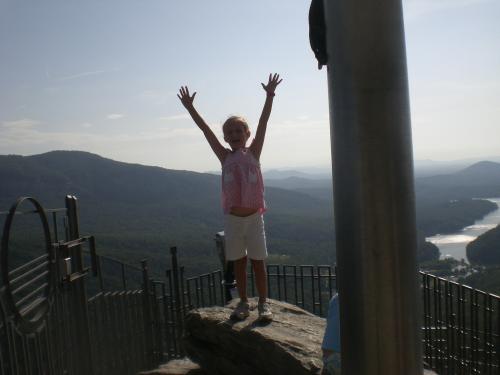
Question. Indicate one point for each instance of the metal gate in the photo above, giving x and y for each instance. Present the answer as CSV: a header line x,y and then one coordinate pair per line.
x,y
48,325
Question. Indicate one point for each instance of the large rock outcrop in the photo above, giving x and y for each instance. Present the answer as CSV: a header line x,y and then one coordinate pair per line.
x,y
290,344
177,367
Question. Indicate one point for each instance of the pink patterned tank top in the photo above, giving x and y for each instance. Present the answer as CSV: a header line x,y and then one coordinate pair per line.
x,y
242,183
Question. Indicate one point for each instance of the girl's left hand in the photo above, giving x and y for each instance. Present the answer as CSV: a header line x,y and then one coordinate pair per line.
x,y
272,83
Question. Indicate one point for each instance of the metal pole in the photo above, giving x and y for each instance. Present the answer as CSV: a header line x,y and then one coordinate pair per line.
x,y
373,188
80,313
147,314
179,309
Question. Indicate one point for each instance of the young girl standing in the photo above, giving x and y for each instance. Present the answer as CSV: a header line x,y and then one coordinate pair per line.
x,y
242,196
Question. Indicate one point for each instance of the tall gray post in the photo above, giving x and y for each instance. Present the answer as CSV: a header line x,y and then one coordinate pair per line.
x,y
373,188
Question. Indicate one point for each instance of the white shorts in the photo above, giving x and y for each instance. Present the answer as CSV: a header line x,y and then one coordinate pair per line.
x,y
245,236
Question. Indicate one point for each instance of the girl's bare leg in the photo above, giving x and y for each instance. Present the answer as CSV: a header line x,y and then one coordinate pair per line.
x,y
259,268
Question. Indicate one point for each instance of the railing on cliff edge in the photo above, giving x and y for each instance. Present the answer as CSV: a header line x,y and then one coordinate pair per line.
x,y
69,310
72,311
461,325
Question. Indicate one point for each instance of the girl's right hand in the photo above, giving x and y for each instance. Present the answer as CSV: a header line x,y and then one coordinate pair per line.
x,y
273,82
186,100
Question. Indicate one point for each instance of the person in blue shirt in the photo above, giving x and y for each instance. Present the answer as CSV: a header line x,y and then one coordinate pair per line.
x,y
331,339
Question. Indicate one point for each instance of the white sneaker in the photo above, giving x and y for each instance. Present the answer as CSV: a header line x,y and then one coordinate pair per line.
x,y
265,313
241,311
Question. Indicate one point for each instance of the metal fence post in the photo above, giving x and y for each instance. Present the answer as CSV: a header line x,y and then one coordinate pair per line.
x,y
147,313
78,295
179,325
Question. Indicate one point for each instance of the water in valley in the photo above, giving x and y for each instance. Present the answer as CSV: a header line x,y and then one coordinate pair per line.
x,y
454,244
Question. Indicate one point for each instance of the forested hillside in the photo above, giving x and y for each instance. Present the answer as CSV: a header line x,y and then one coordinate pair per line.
x,y
138,211
485,250
444,203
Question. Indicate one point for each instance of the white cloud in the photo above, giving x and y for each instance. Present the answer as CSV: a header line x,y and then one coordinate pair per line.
x,y
169,147
115,116
20,124
181,116
79,75
20,134
87,125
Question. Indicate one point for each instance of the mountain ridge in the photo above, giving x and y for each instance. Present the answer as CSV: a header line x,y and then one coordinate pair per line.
x,y
136,211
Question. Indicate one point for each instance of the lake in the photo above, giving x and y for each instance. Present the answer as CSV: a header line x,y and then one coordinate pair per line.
x,y
454,244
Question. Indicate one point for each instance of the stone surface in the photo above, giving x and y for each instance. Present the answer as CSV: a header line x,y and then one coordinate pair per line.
x,y
290,344
177,367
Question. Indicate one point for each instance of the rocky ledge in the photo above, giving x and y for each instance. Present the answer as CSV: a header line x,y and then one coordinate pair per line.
x,y
182,366
216,345
290,344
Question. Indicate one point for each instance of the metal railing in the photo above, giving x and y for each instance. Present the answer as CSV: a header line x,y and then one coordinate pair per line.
x,y
306,286
461,325
73,311
49,324
461,328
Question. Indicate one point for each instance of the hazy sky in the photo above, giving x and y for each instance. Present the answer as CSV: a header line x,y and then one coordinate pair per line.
x,y
102,76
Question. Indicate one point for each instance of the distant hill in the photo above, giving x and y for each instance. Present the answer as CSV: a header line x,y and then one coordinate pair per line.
x,y
479,180
299,183
138,211
487,279
445,203
422,168
312,174
427,168
427,251
485,249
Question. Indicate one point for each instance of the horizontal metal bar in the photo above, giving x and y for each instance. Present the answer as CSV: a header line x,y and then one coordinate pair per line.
x,y
27,265
48,210
24,275
33,305
36,278
203,275
28,296
469,288
105,257
74,243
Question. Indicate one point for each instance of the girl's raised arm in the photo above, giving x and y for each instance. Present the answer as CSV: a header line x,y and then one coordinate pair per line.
x,y
258,142
187,102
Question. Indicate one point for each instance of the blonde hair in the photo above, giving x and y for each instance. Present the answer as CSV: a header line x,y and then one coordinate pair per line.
x,y
238,119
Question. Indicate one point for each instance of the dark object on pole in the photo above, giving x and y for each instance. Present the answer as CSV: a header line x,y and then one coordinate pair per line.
x,y
227,266
373,188
317,32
